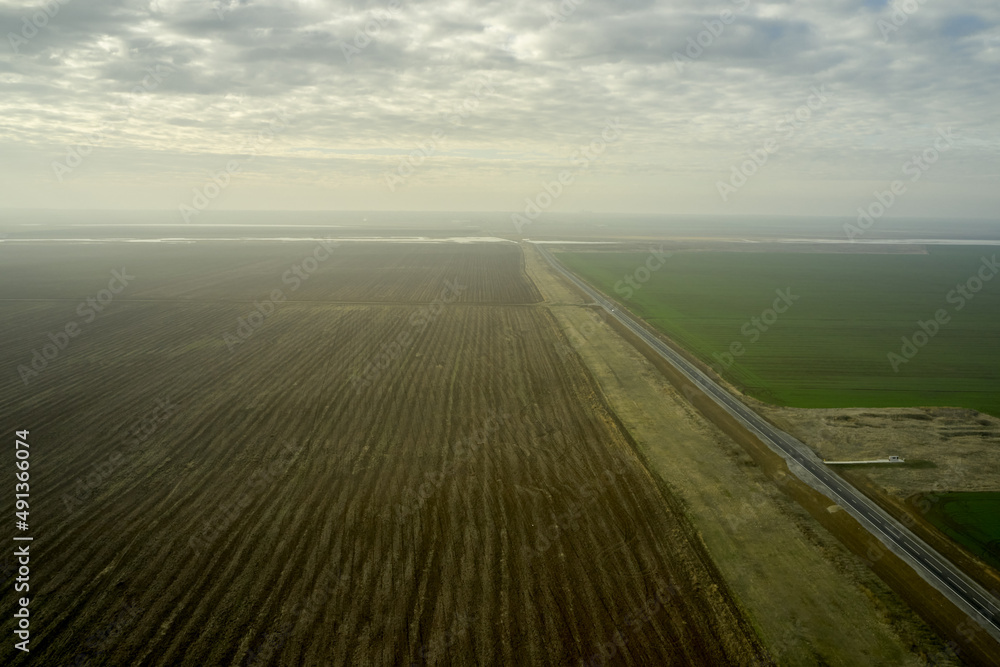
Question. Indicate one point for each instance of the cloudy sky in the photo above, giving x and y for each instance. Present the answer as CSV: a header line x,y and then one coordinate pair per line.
x,y
459,105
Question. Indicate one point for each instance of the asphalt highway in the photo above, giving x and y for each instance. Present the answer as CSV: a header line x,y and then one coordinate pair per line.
x,y
973,599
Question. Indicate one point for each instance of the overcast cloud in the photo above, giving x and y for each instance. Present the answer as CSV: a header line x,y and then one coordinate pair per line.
x,y
164,93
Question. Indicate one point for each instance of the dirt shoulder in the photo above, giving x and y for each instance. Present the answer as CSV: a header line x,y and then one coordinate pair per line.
x,y
811,600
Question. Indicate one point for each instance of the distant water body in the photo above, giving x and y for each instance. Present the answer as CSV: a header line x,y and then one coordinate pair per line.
x,y
960,242
263,239
427,227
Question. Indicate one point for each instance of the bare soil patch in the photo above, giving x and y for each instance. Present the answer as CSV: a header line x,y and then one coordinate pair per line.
x,y
475,503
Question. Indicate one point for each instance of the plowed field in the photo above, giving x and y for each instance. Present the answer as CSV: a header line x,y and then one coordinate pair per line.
x,y
472,502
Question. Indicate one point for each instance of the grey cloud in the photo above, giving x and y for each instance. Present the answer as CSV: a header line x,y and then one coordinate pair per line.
x,y
554,84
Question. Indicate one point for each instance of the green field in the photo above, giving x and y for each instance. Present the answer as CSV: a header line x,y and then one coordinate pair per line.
x,y
972,520
830,348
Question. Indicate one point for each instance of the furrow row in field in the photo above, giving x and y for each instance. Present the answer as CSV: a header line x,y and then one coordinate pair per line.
x,y
471,501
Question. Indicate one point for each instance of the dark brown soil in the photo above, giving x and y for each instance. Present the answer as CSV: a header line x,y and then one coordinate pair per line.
x,y
472,502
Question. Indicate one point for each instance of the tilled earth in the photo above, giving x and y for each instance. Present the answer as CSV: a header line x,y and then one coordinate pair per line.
x,y
325,493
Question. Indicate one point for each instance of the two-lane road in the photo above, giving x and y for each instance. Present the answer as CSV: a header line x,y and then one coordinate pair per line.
x,y
969,596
